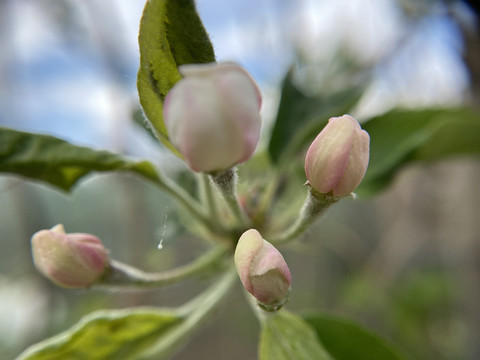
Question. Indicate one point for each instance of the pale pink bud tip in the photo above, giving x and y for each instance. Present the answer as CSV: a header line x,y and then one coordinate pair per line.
x,y
69,260
212,116
337,160
262,269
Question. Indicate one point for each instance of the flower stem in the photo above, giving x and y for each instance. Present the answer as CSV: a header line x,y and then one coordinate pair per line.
x,y
209,197
314,206
120,275
190,204
194,313
226,183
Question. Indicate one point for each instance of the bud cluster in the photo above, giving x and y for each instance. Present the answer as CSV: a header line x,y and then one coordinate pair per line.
x,y
213,118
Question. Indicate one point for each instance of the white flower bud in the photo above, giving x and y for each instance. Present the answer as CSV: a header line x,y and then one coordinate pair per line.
x,y
337,160
262,270
69,260
213,116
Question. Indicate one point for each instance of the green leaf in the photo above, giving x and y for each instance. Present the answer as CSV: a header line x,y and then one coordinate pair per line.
x,y
171,34
402,137
133,334
301,117
105,335
286,336
59,163
345,340
138,118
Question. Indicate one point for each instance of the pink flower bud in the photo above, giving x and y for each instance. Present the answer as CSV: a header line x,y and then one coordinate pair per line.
x,y
262,269
213,116
337,160
69,260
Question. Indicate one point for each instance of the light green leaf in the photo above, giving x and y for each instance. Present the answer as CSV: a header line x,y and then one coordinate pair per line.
x,y
106,335
345,340
402,137
59,163
171,34
301,117
139,119
286,336
133,334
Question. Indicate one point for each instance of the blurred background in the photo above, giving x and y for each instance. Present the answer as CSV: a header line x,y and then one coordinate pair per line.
x,y
405,264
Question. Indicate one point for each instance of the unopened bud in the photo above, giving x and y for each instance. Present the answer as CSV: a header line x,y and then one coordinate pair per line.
x,y
337,160
262,270
69,260
213,116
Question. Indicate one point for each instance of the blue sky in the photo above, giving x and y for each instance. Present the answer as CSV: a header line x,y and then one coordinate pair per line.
x,y
58,78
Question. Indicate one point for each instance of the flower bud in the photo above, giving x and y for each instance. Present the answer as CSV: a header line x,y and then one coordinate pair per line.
x,y
212,116
337,160
69,260
262,270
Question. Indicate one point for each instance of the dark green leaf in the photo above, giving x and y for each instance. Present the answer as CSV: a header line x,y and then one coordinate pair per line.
x,y
46,158
171,34
345,340
106,335
300,117
286,336
401,137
